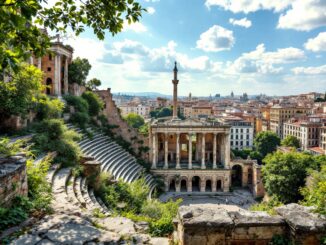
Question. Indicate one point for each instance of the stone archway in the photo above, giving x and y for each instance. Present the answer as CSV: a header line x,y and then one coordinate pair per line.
x,y
219,185
48,86
208,187
183,185
195,184
236,176
172,185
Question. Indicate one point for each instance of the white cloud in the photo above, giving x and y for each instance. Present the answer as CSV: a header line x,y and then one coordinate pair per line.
x,y
244,22
304,15
260,61
247,6
134,26
150,10
311,70
216,39
91,49
317,44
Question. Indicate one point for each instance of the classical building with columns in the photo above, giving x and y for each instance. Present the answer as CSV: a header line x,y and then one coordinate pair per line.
x,y
194,155
55,65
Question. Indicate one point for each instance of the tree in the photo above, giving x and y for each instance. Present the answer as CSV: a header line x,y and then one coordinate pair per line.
x,y
21,36
315,192
134,120
291,141
266,142
18,95
78,71
93,84
284,174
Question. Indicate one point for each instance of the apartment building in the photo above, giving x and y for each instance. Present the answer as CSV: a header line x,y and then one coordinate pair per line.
x,y
141,110
279,114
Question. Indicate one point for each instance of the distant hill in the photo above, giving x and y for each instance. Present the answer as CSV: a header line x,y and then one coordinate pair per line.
x,y
144,94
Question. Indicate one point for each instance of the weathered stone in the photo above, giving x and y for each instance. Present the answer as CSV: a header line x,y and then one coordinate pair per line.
x,y
120,225
142,226
27,240
159,241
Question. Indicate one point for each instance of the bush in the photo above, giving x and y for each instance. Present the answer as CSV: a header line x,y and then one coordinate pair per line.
x,y
80,118
52,135
47,108
267,206
94,102
8,148
77,102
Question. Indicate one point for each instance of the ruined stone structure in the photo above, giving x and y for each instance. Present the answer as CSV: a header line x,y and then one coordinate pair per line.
x,y
194,155
111,112
13,179
218,225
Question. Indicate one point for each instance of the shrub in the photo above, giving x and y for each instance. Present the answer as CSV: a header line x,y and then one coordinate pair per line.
x,y
134,120
53,135
80,118
47,108
77,102
94,102
8,148
267,206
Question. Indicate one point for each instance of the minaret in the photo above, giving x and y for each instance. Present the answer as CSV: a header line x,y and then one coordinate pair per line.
x,y
175,82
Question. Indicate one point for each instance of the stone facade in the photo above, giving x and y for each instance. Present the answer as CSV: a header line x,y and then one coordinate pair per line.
x,y
13,179
217,225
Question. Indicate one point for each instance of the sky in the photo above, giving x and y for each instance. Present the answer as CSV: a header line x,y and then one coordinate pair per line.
x,y
274,47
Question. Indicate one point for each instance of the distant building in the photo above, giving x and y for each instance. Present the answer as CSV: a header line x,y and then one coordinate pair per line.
x,y
198,111
141,110
322,140
282,113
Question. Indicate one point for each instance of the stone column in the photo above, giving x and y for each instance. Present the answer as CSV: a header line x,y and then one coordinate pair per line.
x,y
178,151
214,184
227,150
203,165
66,77
154,151
56,83
166,151
177,186
222,149
214,151
190,152
166,183
59,75
31,60
189,185
202,185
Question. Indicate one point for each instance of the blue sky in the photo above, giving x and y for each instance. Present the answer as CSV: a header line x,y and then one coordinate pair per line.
x,y
276,47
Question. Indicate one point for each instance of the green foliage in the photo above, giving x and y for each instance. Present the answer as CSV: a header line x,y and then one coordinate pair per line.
x,y
78,71
11,216
93,84
53,135
245,153
279,240
315,192
134,120
144,129
39,189
95,104
47,108
267,206
80,118
130,200
285,173
266,142
8,148
20,21
18,95
77,102
163,112
291,141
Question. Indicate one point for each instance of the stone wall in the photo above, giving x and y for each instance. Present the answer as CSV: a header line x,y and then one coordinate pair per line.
x,y
200,225
114,118
13,179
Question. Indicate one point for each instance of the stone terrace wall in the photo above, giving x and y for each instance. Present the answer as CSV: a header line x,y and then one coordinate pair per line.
x,y
112,113
13,179
216,225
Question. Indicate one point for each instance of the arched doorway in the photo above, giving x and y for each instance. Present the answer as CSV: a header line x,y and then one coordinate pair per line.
x,y
208,187
219,185
237,175
48,85
195,183
250,176
172,185
183,185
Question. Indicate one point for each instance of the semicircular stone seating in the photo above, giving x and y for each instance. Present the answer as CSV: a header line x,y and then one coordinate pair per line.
x,y
114,159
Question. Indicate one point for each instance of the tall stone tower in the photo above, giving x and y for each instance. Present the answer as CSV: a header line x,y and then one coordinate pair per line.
x,y
175,82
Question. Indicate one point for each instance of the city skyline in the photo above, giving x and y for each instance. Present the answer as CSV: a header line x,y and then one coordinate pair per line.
x,y
223,46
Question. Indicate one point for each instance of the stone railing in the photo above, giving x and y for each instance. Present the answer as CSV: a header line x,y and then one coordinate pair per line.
x,y
217,225
13,179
